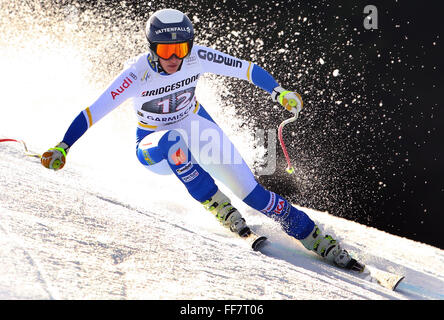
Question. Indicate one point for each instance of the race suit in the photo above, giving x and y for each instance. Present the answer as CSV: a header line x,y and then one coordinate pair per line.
x,y
179,136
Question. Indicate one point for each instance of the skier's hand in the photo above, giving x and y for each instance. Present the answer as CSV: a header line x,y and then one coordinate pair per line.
x,y
55,158
291,101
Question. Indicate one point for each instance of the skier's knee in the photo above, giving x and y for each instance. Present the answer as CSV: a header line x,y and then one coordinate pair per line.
x,y
174,148
151,155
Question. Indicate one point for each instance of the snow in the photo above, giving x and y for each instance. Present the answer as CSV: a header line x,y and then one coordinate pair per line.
x,y
85,233
106,228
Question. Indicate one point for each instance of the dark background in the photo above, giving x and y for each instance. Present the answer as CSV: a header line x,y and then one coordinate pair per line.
x,y
368,145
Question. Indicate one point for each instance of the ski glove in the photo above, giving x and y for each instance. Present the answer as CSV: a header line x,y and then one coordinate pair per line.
x,y
292,101
55,158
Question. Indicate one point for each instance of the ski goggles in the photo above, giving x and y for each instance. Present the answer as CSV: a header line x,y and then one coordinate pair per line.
x,y
167,50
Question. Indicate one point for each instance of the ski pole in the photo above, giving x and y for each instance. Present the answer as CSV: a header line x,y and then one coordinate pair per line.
x,y
27,152
290,168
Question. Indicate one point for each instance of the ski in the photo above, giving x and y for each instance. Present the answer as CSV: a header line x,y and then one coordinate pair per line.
x,y
256,241
386,279
383,278
354,265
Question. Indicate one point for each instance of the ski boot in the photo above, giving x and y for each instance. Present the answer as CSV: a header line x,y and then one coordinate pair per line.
x,y
329,249
229,216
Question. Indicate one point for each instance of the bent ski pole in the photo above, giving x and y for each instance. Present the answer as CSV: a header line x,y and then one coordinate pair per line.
x,y
290,168
27,152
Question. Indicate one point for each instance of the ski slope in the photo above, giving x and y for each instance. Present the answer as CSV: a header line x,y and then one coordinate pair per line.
x,y
83,233
106,228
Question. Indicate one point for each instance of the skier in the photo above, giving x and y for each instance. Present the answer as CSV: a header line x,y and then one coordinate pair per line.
x,y
171,123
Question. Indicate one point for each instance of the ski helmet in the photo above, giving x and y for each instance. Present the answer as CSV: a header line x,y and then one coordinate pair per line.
x,y
169,26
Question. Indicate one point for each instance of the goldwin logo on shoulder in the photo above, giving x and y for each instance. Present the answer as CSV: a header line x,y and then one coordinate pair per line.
x,y
218,58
